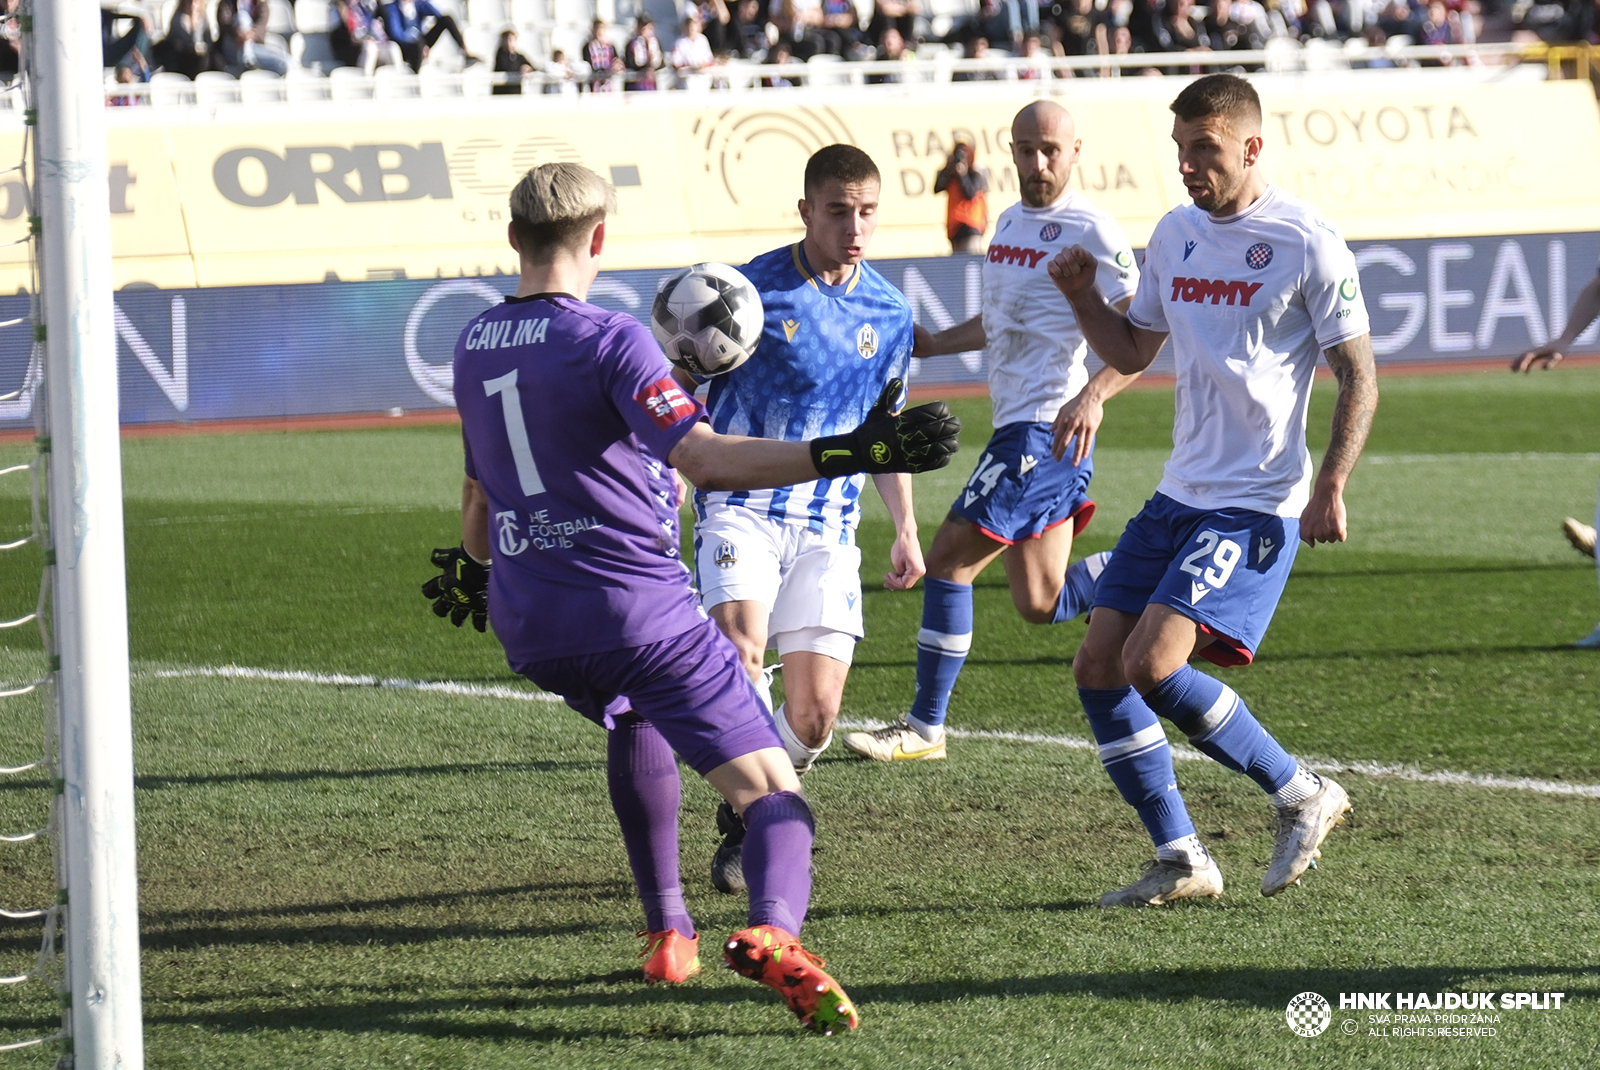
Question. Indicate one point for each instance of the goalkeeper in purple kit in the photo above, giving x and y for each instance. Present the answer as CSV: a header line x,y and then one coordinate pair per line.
x,y
572,424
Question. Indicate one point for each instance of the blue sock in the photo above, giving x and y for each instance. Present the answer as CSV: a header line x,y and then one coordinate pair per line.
x,y
1136,756
1077,592
1216,720
942,647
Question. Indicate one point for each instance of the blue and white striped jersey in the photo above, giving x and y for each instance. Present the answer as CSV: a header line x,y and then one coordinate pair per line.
x,y
825,354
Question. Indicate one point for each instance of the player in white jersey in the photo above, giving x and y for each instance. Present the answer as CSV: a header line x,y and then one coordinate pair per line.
x,y
1585,310
1026,500
1250,284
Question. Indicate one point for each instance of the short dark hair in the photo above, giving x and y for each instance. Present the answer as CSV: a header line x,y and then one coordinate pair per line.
x,y
843,163
1226,95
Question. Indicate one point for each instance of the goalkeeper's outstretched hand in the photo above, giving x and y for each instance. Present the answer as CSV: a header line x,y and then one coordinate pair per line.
x,y
891,439
462,590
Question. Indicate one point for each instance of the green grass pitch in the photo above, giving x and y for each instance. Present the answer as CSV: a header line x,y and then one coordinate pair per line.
x,y
351,877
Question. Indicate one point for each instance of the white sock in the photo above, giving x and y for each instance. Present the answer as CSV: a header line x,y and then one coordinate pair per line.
x,y
801,755
1301,787
929,732
1187,849
764,687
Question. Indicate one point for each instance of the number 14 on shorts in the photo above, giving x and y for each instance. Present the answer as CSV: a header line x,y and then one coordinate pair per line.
x,y
984,477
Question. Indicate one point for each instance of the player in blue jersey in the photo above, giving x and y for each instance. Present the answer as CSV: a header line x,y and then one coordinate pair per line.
x,y
570,420
1585,310
1251,285
780,568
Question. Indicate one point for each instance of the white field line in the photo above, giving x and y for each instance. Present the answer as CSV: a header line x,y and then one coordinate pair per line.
x,y
1445,458
1376,770
297,514
445,687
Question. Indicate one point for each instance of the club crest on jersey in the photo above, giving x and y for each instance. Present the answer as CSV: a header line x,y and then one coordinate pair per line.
x,y
1258,256
727,555
867,342
511,543
1050,232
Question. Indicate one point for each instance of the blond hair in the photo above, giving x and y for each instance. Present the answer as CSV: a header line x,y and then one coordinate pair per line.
x,y
556,205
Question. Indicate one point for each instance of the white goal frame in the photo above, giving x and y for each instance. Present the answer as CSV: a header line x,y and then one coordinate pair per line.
x,y
95,848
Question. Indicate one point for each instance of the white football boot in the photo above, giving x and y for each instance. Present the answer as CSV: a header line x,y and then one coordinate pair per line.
x,y
898,742
1165,880
1580,535
1301,829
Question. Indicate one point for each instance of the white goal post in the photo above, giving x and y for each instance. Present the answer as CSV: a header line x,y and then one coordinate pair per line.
x,y
95,848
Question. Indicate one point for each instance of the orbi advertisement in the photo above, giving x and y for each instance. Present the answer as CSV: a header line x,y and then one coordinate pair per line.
x,y
361,347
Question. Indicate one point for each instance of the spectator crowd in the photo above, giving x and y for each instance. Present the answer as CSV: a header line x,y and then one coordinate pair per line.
x,y
232,36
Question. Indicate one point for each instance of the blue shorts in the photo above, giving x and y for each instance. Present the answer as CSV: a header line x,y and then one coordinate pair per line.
x,y
692,688
1020,491
1223,570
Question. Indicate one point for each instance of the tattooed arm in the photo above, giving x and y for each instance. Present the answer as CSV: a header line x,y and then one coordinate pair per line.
x,y
1351,361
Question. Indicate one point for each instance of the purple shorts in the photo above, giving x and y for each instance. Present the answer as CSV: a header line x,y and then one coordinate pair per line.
x,y
692,688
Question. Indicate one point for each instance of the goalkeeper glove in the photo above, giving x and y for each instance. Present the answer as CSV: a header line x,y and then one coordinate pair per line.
x,y
891,440
462,590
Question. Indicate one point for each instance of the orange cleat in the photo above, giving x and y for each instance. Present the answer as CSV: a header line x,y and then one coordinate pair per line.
x,y
670,956
774,957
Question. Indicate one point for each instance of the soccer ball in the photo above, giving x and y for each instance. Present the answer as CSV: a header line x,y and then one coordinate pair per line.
x,y
707,319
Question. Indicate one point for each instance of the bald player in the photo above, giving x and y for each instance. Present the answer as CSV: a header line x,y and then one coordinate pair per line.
x,y
1029,495
1251,285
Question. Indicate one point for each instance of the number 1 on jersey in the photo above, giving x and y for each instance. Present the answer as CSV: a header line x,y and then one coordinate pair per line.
x,y
516,431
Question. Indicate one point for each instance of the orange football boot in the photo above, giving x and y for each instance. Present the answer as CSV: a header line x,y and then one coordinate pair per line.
x,y
670,956
774,957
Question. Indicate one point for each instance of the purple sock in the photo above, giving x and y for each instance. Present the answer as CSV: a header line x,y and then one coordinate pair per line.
x,y
643,777
779,829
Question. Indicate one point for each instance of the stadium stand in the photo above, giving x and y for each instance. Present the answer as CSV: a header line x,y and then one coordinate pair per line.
x,y
1313,36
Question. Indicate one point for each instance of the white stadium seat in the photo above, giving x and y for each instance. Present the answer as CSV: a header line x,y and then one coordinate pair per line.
x,y
348,83
482,41
394,83
825,69
169,90
1283,55
280,17
488,13
212,88
477,81
260,87
302,86
437,82
313,16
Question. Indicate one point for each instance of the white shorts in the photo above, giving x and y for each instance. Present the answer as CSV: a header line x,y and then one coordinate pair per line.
x,y
809,582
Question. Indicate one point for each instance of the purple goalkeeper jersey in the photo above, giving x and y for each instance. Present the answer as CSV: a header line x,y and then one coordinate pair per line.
x,y
568,413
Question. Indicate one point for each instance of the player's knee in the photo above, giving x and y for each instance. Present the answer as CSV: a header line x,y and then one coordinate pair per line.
x,y
1034,608
1096,668
1143,670
811,719
751,657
